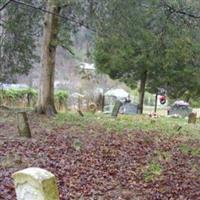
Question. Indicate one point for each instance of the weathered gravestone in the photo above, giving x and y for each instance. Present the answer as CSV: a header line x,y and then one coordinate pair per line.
x,y
35,184
23,125
192,118
180,108
129,109
116,108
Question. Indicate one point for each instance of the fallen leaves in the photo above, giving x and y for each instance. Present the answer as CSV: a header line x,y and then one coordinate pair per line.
x,y
99,165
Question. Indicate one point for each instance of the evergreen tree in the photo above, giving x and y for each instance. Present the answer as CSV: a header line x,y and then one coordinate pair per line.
x,y
143,42
18,30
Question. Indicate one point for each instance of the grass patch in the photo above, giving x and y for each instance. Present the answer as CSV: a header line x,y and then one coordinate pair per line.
x,y
167,127
75,119
153,170
187,150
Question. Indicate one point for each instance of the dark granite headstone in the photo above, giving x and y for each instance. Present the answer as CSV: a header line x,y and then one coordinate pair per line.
x,y
129,109
180,110
116,108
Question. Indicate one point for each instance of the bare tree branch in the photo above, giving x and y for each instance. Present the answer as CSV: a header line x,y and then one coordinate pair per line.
x,y
5,5
182,12
80,23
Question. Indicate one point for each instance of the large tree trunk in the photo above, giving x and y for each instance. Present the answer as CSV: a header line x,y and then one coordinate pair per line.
x,y
45,104
142,90
187,98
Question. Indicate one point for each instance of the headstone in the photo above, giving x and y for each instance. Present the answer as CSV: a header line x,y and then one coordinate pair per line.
x,y
180,110
192,118
129,109
80,113
116,108
35,184
23,125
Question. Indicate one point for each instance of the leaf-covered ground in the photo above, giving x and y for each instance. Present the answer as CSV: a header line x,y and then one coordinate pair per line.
x,y
92,161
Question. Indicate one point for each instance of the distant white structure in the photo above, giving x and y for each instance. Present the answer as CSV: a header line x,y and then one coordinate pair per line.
x,y
181,103
87,66
77,95
60,84
118,93
13,86
111,96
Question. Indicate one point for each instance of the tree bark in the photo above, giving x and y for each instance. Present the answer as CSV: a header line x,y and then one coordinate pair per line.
x,y
103,102
187,99
45,103
142,91
156,102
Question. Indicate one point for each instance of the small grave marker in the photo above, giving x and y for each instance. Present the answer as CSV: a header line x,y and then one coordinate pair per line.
x,y
129,109
35,184
23,125
192,118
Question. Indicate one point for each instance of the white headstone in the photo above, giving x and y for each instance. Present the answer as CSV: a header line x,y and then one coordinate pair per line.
x,y
35,184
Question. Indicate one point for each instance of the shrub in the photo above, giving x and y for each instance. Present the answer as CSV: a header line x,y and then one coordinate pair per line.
x,y
17,96
61,98
28,97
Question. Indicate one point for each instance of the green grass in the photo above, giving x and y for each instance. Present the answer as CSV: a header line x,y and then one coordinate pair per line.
x,y
168,127
188,150
153,170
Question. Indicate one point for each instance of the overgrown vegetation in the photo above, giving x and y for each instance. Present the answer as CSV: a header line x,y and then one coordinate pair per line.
x,y
188,150
167,127
152,171
28,97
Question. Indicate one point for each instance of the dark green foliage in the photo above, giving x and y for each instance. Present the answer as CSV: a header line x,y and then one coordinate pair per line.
x,y
19,27
15,97
147,36
124,49
61,97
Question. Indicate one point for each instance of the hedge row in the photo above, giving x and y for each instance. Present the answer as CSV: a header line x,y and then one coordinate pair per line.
x,y
28,97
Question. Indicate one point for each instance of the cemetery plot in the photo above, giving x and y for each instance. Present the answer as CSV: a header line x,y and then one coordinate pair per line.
x,y
90,160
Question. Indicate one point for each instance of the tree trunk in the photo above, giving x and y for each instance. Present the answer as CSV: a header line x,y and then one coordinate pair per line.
x,y
187,99
45,104
142,91
103,102
156,102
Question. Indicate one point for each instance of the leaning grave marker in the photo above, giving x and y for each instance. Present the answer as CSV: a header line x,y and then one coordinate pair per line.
x,y
116,108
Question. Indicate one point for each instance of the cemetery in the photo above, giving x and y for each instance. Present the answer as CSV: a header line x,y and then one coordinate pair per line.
x,y
99,100
91,156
